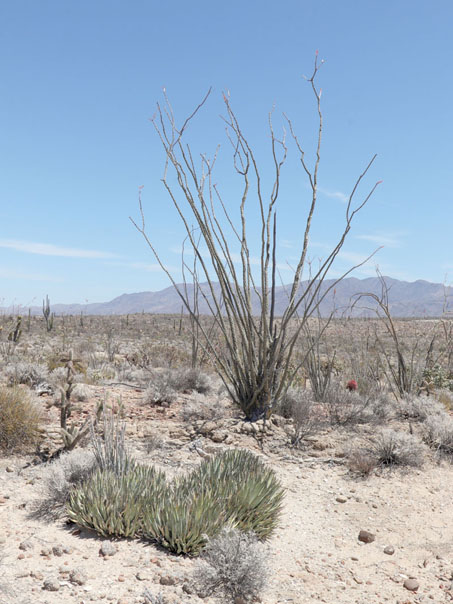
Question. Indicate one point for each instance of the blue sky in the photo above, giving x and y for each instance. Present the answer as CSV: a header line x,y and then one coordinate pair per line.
x,y
80,80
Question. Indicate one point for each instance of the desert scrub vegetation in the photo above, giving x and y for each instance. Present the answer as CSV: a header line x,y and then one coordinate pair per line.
x,y
438,432
164,385
59,478
231,489
20,420
388,449
233,565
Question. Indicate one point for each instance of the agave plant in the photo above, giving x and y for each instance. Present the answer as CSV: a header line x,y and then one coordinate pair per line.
x,y
112,504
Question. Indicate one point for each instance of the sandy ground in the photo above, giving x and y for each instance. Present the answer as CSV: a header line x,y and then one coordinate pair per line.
x,y
315,555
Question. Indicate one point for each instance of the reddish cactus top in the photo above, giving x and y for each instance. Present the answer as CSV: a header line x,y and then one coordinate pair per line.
x,y
352,385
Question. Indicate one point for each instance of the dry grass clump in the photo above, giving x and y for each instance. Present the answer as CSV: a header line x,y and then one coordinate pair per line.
x,y
297,404
417,408
345,406
392,448
361,461
190,379
164,385
20,420
59,478
233,565
438,432
388,448
160,389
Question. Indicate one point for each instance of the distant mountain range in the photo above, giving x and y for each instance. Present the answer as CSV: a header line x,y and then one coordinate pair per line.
x,y
415,299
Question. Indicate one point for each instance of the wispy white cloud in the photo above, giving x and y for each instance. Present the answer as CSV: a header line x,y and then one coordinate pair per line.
x,y
386,240
144,266
48,249
286,244
11,274
334,194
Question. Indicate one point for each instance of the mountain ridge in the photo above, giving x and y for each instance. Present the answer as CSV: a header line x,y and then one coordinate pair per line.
x,y
418,298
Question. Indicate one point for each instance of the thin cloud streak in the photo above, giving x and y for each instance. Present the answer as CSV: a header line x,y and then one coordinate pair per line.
x,y
48,249
143,266
385,240
10,274
334,194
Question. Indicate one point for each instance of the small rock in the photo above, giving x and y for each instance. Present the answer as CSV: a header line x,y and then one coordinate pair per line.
x,y
187,588
411,584
142,576
218,436
46,551
167,580
78,577
239,600
9,469
121,578
389,550
26,545
108,549
57,550
21,556
37,575
51,585
366,537
341,499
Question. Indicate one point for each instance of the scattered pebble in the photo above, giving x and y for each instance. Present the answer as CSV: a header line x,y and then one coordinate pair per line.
x,y
108,549
411,584
389,550
51,585
78,576
366,537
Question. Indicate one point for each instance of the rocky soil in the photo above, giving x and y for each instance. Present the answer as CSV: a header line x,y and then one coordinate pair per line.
x,y
405,555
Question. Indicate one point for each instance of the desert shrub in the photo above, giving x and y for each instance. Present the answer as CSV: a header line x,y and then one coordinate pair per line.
x,y
233,488
345,406
59,478
362,461
160,389
233,565
438,377
417,408
445,398
30,374
201,407
297,404
191,379
20,420
114,505
392,448
438,432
